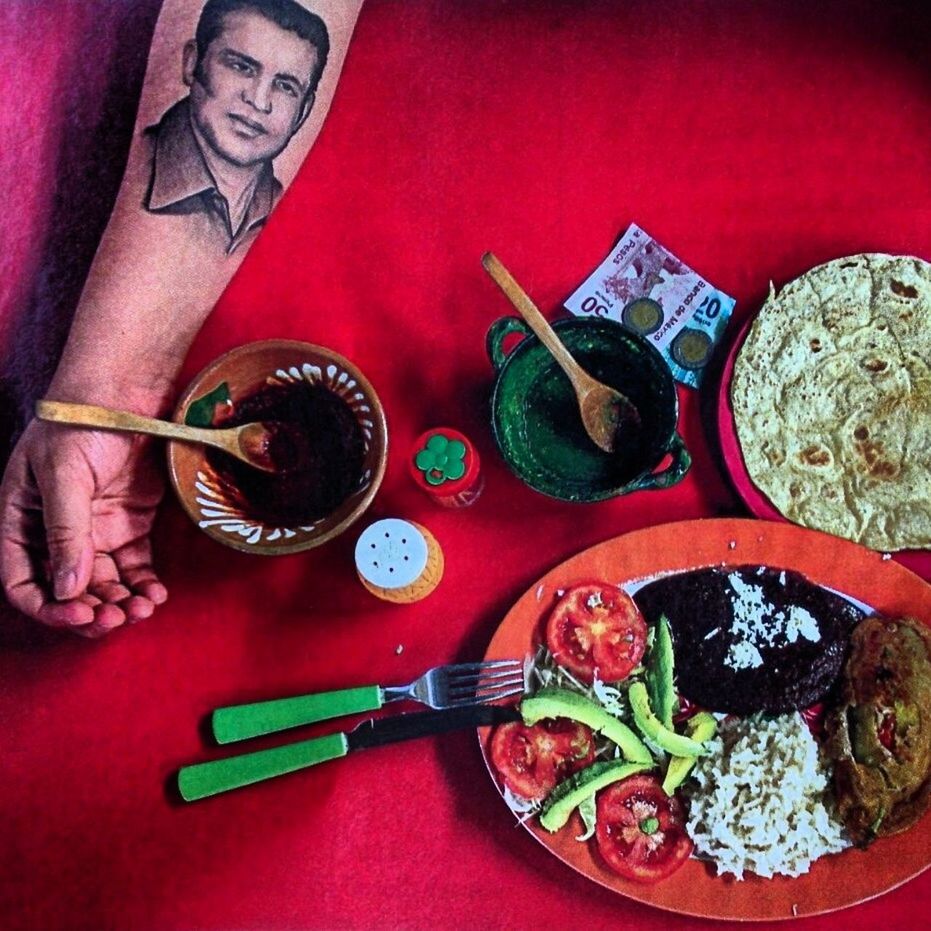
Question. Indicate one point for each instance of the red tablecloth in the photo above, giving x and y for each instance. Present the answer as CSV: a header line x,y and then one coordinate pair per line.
x,y
753,139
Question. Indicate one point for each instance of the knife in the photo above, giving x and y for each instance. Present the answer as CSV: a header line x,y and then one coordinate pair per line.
x,y
201,780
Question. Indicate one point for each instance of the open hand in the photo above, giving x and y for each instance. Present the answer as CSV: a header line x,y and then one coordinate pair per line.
x,y
76,509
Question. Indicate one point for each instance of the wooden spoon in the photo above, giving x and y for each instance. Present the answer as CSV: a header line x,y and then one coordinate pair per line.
x,y
605,411
249,442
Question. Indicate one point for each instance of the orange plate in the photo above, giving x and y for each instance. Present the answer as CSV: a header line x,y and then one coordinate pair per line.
x,y
833,882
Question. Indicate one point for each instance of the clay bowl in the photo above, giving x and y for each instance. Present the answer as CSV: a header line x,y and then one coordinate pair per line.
x,y
536,421
209,499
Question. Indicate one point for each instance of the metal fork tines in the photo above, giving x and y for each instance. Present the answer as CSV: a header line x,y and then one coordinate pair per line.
x,y
463,684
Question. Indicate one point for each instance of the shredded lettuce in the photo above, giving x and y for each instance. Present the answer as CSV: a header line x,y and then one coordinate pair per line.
x,y
588,811
543,671
548,673
525,809
612,699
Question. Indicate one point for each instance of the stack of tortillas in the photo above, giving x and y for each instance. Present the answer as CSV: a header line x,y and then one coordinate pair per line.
x,y
832,400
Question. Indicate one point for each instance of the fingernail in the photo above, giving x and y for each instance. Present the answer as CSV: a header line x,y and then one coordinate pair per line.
x,y
65,582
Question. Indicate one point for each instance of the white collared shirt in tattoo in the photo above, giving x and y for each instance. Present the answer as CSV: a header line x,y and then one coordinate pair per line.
x,y
183,183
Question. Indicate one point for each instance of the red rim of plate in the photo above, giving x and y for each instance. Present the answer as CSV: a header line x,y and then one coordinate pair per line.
x,y
919,561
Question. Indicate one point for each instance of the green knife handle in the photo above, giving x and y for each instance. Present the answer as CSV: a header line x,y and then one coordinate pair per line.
x,y
204,779
239,722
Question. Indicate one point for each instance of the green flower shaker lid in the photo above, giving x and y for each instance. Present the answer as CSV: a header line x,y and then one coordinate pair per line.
x,y
443,462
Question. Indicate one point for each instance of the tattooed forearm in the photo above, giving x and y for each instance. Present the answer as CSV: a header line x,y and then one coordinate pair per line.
x,y
252,70
203,173
234,97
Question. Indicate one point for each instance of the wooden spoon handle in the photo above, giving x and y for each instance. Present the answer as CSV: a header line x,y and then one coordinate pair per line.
x,y
535,320
89,415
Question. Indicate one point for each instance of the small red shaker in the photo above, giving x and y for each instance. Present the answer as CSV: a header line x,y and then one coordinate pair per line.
x,y
445,465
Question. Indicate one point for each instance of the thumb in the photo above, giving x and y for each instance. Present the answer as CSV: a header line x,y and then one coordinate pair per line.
x,y
66,506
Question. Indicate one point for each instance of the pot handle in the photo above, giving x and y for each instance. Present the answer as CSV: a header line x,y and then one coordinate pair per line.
x,y
496,335
671,475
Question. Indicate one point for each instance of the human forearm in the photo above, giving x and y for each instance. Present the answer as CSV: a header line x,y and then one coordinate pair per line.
x,y
235,93
128,352
220,131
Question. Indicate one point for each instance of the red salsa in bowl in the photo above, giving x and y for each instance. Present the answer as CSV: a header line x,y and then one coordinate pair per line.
x,y
316,443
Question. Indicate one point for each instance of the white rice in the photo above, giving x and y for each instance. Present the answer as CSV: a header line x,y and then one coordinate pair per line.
x,y
760,802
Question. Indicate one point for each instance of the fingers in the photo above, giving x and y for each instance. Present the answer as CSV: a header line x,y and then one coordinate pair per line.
x,y
124,589
105,581
77,615
107,617
117,603
49,504
67,490
101,617
107,604
134,563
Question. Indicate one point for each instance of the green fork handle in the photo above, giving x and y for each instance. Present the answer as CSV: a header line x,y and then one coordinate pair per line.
x,y
204,779
239,722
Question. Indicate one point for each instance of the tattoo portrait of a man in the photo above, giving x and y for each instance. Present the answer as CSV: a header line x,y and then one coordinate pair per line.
x,y
252,70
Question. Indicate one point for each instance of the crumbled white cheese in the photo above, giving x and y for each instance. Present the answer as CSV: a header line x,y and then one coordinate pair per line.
x,y
758,623
743,655
801,622
594,601
752,618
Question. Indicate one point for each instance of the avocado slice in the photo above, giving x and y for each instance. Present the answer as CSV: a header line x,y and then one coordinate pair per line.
x,y
660,674
654,729
700,728
561,703
571,792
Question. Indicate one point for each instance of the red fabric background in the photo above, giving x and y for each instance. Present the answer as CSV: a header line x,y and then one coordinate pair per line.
x,y
753,139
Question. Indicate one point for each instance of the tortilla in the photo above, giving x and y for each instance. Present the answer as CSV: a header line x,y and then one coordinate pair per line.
x,y
832,400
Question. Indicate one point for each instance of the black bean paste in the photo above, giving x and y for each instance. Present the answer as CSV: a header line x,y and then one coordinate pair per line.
x,y
731,657
316,442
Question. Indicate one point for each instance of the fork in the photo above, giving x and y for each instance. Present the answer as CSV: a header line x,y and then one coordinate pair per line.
x,y
440,687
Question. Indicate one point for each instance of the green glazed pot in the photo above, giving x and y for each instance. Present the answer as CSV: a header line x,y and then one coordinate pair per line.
x,y
536,421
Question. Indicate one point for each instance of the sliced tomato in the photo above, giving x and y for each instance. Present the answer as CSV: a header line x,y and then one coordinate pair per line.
x,y
595,626
641,830
686,710
532,760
